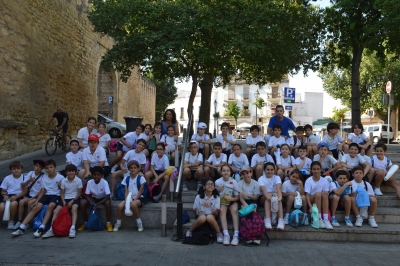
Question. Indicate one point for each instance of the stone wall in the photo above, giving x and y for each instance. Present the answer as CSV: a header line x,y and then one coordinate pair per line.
x,y
49,57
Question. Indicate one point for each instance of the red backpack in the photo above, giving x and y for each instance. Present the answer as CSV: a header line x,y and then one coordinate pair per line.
x,y
62,223
252,227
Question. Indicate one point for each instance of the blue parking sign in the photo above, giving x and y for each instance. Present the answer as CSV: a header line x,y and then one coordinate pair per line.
x,y
289,95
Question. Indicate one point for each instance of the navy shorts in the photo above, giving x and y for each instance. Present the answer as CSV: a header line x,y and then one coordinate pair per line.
x,y
142,201
97,200
17,200
47,199
119,146
159,172
249,201
227,153
77,202
335,153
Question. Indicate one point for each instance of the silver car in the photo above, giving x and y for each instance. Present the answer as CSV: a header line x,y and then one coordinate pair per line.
x,y
115,129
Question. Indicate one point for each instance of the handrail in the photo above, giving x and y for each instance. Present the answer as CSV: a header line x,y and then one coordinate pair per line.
x,y
179,204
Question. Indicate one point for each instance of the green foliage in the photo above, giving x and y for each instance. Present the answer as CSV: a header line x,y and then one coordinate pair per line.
x,y
216,115
259,103
244,112
339,114
233,110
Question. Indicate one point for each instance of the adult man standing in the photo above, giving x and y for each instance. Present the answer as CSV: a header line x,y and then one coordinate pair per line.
x,y
62,123
280,119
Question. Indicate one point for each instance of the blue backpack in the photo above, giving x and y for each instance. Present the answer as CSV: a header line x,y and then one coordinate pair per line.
x,y
120,191
94,222
296,218
145,192
37,222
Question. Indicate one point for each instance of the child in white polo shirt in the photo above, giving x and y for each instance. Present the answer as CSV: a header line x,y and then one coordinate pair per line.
x,y
11,190
71,191
75,157
94,155
97,192
215,162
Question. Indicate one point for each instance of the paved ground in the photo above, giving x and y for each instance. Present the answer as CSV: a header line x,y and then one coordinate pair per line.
x,y
149,248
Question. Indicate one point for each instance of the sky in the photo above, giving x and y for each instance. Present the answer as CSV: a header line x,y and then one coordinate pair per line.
x,y
310,83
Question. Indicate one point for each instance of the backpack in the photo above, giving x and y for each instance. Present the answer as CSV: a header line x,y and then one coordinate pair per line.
x,y
387,162
120,191
145,193
62,223
252,228
202,235
37,222
296,218
94,222
154,190
113,145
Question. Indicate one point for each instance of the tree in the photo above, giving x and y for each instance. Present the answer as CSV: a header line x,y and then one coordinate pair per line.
x,y
259,103
339,114
354,27
165,93
211,42
234,111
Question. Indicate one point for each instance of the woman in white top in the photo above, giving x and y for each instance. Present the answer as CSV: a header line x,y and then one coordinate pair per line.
x,y
84,132
104,137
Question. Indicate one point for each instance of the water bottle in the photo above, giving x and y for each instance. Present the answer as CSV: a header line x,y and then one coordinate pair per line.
x,y
237,176
6,215
328,177
128,200
274,203
314,217
247,210
362,199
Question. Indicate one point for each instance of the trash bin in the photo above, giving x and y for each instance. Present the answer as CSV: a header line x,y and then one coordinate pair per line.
x,y
132,122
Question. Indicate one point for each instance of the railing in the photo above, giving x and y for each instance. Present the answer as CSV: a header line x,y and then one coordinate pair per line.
x,y
179,204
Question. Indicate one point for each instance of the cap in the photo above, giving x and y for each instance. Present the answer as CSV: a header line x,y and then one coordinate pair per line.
x,y
193,142
72,140
40,161
323,144
245,167
93,137
202,125
133,162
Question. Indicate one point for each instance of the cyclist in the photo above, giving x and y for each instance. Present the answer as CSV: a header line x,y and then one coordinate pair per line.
x,y
62,124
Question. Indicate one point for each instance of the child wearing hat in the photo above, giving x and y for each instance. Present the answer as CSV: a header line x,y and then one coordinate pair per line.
x,y
202,139
249,188
94,155
329,164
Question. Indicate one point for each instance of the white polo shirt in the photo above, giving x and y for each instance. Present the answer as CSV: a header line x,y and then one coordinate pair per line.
x,y
328,161
103,139
288,187
35,189
225,145
50,184
257,158
169,143
132,155
95,158
133,185
253,141
333,143
131,138
204,137
238,162
311,187
75,159
99,190
199,204
83,134
13,185
160,164
357,138
269,183
214,160
350,161
71,188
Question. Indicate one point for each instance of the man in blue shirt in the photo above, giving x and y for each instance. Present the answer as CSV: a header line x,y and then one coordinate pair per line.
x,y
280,119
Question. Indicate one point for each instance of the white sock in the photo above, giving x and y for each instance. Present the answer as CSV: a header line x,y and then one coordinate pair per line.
x,y
188,234
236,233
22,226
371,217
325,216
226,233
358,216
73,227
42,226
138,221
346,217
332,217
51,228
118,221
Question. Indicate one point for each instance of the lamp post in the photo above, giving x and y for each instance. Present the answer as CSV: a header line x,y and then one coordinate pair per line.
x,y
256,94
215,120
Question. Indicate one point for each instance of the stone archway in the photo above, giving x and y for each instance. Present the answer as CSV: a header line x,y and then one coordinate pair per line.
x,y
106,88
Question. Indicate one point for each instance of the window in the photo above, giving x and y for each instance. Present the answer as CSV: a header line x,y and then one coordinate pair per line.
x,y
231,93
246,93
182,112
275,92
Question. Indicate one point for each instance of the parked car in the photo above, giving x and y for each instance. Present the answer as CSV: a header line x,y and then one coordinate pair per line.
x,y
115,129
379,132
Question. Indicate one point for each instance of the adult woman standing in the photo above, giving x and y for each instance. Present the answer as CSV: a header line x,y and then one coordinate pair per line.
x,y
169,119
84,132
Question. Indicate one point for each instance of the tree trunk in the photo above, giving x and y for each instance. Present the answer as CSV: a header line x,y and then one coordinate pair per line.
x,y
355,85
206,86
190,104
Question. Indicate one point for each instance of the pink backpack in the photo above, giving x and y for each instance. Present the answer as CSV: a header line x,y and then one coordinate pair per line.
x,y
113,145
252,227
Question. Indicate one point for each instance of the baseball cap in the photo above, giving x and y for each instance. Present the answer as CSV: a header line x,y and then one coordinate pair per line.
x,y
245,167
40,161
133,162
72,140
323,144
202,125
93,137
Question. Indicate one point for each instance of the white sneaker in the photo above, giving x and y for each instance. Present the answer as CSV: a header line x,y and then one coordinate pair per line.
x,y
184,188
267,223
321,224
226,242
140,227
378,192
348,222
11,225
199,186
157,198
335,222
16,226
72,233
48,234
306,220
220,238
18,232
116,227
372,222
38,232
327,224
258,242
114,168
235,241
359,222
281,225
286,219
274,218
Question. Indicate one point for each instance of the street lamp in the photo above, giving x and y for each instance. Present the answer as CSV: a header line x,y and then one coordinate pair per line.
x,y
256,94
215,120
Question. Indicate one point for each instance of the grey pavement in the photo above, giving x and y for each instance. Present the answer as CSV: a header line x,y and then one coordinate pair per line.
x,y
148,248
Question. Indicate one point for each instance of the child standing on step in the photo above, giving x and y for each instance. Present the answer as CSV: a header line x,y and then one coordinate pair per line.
x,y
138,199
317,191
229,195
206,207
170,141
271,184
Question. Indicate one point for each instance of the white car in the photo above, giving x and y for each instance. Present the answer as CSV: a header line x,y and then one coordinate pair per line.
x,y
379,132
114,128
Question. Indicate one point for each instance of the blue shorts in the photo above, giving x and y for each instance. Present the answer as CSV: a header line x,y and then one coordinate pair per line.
x,y
11,195
47,199
77,202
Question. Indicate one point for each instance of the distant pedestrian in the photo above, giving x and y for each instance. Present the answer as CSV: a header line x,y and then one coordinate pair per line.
x,y
62,123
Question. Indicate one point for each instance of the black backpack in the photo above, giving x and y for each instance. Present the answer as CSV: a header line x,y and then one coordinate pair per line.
x,y
202,235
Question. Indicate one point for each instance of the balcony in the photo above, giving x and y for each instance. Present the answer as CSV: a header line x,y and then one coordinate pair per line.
x,y
230,97
245,113
246,97
274,98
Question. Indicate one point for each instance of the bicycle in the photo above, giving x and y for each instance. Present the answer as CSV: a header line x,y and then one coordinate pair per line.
x,y
56,141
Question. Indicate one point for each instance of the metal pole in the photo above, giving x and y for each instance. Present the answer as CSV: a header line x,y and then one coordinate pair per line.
x,y
388,126
256,115
164,216
215,121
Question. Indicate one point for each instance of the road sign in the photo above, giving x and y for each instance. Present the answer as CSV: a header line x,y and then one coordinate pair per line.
x,y
288,107
388,86
371,112
289,95
110,99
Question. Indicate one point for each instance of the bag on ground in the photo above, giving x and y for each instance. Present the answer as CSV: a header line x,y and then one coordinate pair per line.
x,y
37,222
252,227
62,223
202,235
296,218
94,222
154,190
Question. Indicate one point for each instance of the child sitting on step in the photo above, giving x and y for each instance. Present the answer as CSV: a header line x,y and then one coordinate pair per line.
x,y
340,193
192,167
289,192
